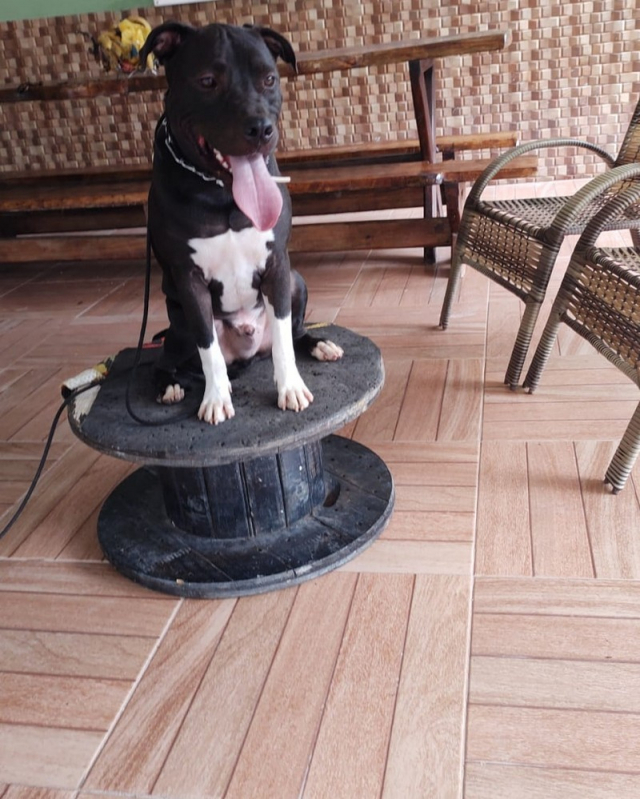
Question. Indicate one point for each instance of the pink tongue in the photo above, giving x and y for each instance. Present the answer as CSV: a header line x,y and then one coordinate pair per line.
x,y
254,190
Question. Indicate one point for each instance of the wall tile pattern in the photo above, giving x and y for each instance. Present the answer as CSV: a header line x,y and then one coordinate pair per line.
x,y
573,69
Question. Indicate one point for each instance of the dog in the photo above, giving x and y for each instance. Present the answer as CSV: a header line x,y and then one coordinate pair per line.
x,y
218,219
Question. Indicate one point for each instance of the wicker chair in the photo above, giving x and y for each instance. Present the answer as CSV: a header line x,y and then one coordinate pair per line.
x,y
516,242
599,298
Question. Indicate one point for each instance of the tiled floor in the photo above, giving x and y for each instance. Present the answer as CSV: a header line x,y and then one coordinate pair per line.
x,y
487,646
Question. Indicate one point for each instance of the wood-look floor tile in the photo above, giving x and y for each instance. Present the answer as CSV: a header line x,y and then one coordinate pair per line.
x,y
83,614
434,473
503,533
572,739
419,289
40,756
430,526
125,300
37,298
571,684
379,421
25,792
51,493
414,557
350,752
43,399
364,288
138,745
427,739
435,498
573,429
560,540
19,384
499,781
55,531
201,763
60,701
392,286
559,410
422,344
79,655
612,521
558,597
460,419
474,290
278,745
422,403
18,335
504,316
556,637
424,452
84,544
77,579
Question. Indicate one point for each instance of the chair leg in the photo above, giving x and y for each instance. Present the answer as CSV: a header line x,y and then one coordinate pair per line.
x,y
521,347
625,456
542,353
452,287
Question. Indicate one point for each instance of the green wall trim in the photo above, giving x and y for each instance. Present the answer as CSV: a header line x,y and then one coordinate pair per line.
x,y
36,9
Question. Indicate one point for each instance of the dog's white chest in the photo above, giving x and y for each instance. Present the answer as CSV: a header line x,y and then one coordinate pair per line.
x,y
232,259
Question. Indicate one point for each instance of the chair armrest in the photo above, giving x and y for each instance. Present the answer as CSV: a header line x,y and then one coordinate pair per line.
x,y
612,209
584,197
500,161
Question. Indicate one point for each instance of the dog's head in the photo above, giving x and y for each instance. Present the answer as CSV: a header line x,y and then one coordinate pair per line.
x,y
224,98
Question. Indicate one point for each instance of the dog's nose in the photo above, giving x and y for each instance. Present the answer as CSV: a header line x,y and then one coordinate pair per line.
x,y
258,130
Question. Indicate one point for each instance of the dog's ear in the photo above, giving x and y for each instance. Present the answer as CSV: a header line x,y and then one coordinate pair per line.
x,y
279,46
164,40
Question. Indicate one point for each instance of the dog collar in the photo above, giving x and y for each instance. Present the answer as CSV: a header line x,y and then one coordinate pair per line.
x,y
171,147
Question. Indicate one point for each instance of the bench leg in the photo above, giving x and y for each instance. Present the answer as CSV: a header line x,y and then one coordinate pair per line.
x,y
422,89
453,195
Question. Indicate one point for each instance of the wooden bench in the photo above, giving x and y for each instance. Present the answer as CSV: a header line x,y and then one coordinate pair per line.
x,y
363,177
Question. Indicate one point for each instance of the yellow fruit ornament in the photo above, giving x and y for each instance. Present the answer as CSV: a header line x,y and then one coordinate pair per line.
x,y
119,48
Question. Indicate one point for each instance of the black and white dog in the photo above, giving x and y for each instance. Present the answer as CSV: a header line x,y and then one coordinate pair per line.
x,y
219,221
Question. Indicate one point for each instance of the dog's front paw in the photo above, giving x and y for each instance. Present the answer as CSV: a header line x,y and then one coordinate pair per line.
x,y
294,396
216,406
327,351
172,394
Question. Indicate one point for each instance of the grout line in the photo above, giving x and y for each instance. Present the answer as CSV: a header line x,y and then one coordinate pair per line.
x,y
261,693
553,767
556,709
605,660
193,696
328,691
134,686
399,683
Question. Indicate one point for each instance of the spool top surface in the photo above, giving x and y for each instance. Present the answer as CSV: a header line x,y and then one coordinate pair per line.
x,y
342,390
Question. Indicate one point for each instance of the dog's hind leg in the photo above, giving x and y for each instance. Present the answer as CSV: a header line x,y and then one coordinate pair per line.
x,y
319,348
178,349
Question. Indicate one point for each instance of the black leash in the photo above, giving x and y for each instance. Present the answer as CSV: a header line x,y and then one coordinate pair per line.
x,y
67,400
75,392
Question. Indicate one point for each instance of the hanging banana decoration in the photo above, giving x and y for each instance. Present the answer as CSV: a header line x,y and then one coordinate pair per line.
x,y
119,48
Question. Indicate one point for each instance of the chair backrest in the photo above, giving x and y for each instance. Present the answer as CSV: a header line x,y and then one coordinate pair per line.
x,y
630,149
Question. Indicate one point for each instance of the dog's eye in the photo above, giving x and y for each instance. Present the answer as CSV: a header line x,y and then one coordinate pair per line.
x,y
270,80
208,82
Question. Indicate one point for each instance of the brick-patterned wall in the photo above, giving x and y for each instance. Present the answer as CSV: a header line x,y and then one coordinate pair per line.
x,y
572,70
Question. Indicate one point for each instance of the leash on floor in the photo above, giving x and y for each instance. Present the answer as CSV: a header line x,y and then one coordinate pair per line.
x,y
54,424
71,394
